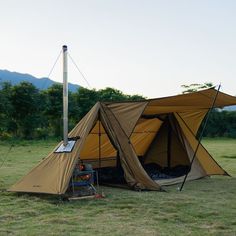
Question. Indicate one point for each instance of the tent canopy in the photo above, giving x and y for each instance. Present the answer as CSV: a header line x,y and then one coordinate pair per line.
x,y
132,134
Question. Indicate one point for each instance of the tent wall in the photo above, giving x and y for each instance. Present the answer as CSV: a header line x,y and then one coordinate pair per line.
x,y
143,134
207,162
158,151
52,174
193,119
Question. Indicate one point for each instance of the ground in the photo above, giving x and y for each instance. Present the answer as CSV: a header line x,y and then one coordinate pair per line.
x,y
204,207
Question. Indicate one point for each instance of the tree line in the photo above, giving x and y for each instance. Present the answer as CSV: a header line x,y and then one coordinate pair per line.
x,y
221,123
29,113
26,112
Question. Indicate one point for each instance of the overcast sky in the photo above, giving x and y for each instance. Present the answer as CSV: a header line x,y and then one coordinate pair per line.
x,y
147,47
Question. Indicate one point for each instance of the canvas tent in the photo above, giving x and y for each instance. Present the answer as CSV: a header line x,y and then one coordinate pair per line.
x,y
131,134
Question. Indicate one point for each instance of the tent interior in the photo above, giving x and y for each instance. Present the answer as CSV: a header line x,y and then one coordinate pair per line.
x,y
157,142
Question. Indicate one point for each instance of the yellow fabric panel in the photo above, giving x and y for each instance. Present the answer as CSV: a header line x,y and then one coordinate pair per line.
x,y
209,164
90,149
201,99
178,153
141,142
187,102
148,125
127,114
144,134
96,128
193,118
158,150
153,110
204,158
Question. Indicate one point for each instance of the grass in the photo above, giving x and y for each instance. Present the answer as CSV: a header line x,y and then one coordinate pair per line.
x,y
204,207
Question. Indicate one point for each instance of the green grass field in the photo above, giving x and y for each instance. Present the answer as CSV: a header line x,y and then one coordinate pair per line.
x,y
204,207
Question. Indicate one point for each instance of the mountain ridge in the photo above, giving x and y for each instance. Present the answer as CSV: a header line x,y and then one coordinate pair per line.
x,y
40,83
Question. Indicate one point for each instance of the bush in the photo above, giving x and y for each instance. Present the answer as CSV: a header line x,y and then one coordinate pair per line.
x,y
41,133
5,136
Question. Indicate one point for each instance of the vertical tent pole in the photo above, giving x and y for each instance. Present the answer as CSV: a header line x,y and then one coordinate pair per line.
x,y
169,137
65,97
200,137
99,145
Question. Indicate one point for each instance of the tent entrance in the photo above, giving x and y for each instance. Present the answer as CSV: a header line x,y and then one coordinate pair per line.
x,y
163,155
157,141
99,151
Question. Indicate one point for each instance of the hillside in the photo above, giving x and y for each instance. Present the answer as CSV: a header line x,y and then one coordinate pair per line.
x,y
40,83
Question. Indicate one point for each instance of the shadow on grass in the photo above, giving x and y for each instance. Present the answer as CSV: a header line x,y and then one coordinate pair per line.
x,y
229,157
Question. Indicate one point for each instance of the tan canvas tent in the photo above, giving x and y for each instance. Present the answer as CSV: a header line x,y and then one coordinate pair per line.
x,y
133,134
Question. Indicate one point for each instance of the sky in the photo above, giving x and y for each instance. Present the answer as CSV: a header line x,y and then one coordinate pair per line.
x,y
146,47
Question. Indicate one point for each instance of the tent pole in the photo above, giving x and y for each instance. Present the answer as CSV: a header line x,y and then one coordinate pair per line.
x,y
99,146
200,137
169,136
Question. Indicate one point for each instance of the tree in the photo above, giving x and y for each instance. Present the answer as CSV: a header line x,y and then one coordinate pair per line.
x,y
196,87
85,100
25,101
221,124
136,97
111,94
6,123
54,108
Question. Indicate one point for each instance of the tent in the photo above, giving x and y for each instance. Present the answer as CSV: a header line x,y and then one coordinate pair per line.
x,y
130,135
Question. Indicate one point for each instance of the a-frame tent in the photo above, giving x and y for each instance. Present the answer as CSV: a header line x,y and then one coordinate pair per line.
x,y
161,131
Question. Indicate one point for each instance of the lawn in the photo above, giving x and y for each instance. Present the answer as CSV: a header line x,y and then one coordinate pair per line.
x,y
204,207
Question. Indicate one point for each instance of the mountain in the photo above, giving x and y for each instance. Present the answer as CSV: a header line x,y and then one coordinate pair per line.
x,y
40,83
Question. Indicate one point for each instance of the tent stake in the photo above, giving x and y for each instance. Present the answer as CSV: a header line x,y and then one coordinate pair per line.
x,y
200,137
